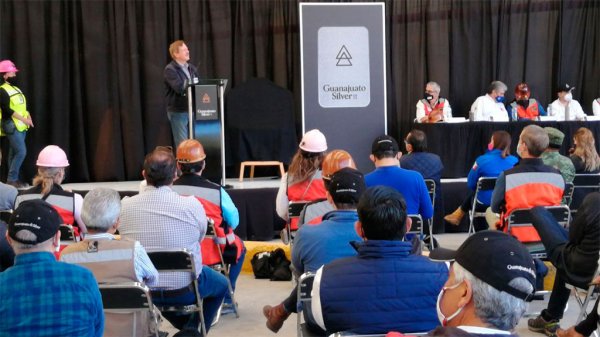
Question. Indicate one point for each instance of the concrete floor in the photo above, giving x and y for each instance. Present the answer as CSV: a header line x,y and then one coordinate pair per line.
x,y
253,294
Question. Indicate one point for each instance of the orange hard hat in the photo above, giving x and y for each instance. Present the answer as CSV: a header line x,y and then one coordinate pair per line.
x,y
335,161
190,151
522,91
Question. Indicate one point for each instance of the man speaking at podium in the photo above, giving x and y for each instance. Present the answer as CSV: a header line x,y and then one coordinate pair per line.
x,y
178,73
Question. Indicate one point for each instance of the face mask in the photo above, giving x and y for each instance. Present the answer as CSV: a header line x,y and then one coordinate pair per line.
x,y
428,97
443,319
490,146
500,99
523,102
568,97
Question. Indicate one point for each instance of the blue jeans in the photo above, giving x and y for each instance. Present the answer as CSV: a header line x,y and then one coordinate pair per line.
x,y
234,272
212,286
179,126
17,151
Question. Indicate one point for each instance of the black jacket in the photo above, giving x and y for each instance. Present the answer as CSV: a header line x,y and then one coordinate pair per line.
x,y
175,81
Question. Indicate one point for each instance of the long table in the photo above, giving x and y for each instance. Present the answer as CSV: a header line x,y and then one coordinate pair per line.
x,y
459,144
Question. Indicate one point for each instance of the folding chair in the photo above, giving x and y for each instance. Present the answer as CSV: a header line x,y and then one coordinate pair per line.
x,y
430,183
582,185
128,305
305,285
67,233
483,184
584,296
221,267
417,225
568,194
179,260
294,210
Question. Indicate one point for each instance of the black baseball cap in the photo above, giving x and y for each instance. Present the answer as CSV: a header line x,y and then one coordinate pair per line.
x,y
565,87
494,257
384,143
346,186
36,216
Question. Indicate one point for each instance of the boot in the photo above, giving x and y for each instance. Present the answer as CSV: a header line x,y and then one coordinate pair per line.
x,y
455,217
275,316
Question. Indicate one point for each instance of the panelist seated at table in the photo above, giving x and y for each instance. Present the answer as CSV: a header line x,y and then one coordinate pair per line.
x,y
565,108
431,108
523,107
596,107
490,107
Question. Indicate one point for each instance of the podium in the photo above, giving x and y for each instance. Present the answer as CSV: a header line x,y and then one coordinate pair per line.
x,y
206,106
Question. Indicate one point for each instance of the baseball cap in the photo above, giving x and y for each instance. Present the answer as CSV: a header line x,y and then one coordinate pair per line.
x,y
346,186
36,216
555,136
384,143
494,257
565,87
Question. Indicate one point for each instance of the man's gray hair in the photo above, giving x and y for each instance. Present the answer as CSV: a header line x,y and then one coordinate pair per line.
x,y
497,308
497,86
101,208
435,86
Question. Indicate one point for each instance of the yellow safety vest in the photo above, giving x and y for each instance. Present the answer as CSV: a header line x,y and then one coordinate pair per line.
x,y
18,104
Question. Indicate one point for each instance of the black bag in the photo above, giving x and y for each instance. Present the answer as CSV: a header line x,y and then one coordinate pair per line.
x,y
230,253
261,265
280,265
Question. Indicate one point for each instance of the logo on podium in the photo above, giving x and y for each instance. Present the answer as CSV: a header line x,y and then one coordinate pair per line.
x,y
206,98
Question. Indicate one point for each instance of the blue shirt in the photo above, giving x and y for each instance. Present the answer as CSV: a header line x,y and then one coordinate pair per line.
x,y
42,297
316,245
409,183
490,165
230,212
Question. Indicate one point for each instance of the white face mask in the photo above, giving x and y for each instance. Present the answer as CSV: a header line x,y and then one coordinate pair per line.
x,y
568,97
443,319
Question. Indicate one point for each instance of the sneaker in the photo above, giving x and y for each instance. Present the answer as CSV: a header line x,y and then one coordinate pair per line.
x,y
539,324
227,308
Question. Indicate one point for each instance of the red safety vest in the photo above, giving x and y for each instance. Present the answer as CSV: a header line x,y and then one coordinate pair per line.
x,y
306,191
532,111
428,109
209,195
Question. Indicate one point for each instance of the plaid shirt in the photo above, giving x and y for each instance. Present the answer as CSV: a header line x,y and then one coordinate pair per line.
x,y
160,218
42,297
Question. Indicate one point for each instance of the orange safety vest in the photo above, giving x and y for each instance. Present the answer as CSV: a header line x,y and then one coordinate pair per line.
x,y
532,111
527,190
428,109
209,195
306,191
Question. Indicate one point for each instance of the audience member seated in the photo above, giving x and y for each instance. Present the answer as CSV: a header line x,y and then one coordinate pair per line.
x,y
386,157
596,107
565,108
524,107
109,259
490,165
51,163
573,253
302,181
432,108
585,327
428,164
316,245
332,162
40,296
218,206
8,194
385,287
490,282
490,107
529,184
552,157
583,154
159,218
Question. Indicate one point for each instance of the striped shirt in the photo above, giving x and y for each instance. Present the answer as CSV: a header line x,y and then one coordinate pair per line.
x,y
159,218
42,297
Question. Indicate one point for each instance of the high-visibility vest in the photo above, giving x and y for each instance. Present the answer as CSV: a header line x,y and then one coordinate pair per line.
x,y
209,195
18,104
531,112
308,190
62,201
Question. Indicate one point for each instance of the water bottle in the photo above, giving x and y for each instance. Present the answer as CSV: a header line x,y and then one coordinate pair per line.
x,y
514,114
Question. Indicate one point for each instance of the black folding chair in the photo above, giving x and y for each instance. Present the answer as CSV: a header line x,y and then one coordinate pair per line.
x,y
582,185
483,184
179,260
294,210
305,285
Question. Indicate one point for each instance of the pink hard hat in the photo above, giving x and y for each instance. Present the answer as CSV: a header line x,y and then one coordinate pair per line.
x,y
7,66
52,156
314,141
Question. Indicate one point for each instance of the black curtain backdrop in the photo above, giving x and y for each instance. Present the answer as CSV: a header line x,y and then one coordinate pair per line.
x,y
92,70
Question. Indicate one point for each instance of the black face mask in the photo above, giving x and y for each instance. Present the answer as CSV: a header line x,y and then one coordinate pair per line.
x,y
428,97
523,102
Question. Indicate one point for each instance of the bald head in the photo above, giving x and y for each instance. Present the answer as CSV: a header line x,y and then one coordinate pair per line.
x,y
160,167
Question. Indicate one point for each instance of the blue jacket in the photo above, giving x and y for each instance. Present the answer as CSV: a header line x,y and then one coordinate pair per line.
x,y
316,245
409,183
490,164
384,288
